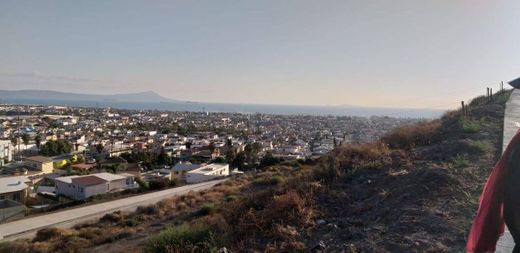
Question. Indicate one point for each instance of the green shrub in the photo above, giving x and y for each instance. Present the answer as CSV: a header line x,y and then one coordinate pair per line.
x,y
460,161
470,126
230,198
131,222
183,238
480,147
142,184
276,180
158,184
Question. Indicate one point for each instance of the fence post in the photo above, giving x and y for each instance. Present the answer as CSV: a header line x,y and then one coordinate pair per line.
x,y
490,94
502,86
463,108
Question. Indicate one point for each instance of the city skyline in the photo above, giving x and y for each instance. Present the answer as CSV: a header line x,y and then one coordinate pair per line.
x,y
294,52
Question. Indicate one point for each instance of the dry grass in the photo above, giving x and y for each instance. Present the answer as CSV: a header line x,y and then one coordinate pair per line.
x,y
407,137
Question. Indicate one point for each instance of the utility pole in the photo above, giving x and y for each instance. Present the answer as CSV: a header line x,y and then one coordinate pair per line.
x,y
18,138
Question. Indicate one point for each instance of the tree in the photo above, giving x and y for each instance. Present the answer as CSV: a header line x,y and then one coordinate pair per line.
x,y
230,155
239,160
163,158
99,148
269,160
14,140
229,143
53,148
25,139
114,168
257,147
248,150
220,159
212,147
38,140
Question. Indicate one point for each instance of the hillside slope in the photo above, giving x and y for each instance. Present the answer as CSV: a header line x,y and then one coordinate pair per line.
x,y
414,191
420,194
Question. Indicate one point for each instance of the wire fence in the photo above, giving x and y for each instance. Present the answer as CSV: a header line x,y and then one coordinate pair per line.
x,y
464,104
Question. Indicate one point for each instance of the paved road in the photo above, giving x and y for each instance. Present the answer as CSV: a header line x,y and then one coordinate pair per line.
x,y
511,117
68,218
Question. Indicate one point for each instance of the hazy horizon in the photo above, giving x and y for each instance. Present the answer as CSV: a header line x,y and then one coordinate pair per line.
x,y
406,54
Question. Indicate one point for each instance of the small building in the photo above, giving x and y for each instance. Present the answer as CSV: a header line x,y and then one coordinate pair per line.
x,y
40,163
6,152
84,166
14,188
181,167
84,187
207,173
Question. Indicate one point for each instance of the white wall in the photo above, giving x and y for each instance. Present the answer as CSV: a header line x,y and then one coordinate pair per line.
x,y
199,175
95,190
74,191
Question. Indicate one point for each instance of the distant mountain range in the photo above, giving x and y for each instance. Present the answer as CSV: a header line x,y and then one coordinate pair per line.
x,y
152,101
141,97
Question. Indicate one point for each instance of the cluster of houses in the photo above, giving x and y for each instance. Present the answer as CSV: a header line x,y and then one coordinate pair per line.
x,y
15,190
193,142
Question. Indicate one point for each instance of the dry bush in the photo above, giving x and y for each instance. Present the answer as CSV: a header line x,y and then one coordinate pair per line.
x,y
213,196
47,234
351,157
114,217
289,208
410,136
268,215
97,236
182,238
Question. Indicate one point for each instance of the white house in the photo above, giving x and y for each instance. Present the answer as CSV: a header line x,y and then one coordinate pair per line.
x,y
207,173
83,187
6,151
14,188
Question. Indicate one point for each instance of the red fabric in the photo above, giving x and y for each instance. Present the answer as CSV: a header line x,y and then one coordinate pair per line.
x,y
489,225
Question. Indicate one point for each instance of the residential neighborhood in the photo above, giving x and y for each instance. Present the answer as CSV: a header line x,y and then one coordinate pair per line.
x,y
55,156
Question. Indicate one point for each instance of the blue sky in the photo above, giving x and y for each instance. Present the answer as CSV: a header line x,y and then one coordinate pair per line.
x,y
372,53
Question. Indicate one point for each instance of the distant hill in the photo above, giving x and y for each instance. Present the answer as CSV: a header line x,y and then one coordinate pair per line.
x,y
148,96
152,101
